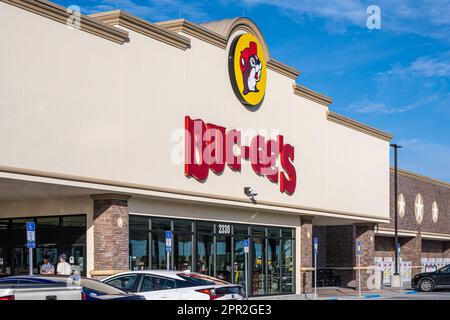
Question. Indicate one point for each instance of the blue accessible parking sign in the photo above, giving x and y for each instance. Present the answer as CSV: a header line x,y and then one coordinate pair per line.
x,y
169,241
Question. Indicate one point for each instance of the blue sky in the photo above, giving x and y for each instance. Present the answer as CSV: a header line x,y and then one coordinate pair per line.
x,y
396,79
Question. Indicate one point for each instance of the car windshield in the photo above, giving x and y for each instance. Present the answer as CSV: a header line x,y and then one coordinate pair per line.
x,y
445,269
100,288
91,286
198,279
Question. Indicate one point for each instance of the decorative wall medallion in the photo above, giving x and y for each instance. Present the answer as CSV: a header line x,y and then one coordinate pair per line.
x,y
418,208
401,205
435,212
120,222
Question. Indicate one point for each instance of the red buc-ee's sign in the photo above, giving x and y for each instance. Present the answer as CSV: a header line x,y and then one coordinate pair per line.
x,y
210,147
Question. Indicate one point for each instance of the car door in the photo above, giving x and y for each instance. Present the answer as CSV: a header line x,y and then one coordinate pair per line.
x,y
442,277
153,287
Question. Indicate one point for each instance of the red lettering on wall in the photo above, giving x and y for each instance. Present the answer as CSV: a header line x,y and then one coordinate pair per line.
x,y
287,184
208,146
233,138
195,144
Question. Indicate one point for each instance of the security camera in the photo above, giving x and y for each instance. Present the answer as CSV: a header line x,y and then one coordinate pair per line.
x,y
250,192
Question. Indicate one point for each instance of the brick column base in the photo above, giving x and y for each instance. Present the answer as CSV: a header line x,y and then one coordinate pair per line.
x,y
111,234
306,251
411,250
365,235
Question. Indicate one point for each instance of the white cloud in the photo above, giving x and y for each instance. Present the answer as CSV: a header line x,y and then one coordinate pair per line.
x,y
422,83
154,10
427,18
380,108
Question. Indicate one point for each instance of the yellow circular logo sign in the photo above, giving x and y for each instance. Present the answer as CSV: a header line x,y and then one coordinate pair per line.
x,y
247,69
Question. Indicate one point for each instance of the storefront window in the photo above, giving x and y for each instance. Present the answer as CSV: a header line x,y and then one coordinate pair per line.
x,y
139,246
4,224
219,251
19,224
287,266
239,260
51,239
205,254
182,251
158,250
159,224
48,222
139,223
74,221
273,266
259,265
223,262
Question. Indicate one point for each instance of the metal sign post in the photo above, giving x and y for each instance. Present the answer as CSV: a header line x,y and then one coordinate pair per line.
x,y
246,250
359,268
316,250
399,268
31,243
168,247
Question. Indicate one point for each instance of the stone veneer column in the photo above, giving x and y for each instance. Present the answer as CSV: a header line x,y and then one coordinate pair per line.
x,y
306,258
111,234
411,249
365,234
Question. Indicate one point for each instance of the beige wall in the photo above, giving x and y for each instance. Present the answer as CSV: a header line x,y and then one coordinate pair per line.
x,y
78,104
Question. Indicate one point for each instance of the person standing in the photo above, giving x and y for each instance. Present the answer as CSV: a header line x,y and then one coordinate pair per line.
x,y
63,267
47,267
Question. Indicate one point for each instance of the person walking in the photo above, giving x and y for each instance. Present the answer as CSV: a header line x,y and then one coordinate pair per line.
x,y
63,267
47,267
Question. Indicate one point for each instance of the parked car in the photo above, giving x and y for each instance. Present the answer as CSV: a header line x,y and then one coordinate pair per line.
x,y
430,281
175,285
53,287
37,288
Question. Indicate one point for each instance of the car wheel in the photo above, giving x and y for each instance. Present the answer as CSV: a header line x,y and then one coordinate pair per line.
x,y
426,285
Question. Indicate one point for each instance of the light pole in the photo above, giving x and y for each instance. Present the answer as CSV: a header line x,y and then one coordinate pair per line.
x,y
396,147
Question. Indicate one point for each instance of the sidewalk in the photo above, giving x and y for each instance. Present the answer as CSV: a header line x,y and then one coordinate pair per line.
x,y
337,293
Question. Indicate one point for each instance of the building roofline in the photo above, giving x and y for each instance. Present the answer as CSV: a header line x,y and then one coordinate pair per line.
x,y
195,30
60,14
339,119
418,176
312,95
152,30
283,69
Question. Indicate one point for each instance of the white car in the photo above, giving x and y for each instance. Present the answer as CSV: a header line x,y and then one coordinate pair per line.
x,y
175,285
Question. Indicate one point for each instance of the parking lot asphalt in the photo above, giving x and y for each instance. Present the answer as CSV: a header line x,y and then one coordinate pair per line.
x,y
351,294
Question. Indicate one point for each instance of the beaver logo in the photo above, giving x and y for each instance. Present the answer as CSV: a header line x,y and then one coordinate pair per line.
x,y
247,70
251,68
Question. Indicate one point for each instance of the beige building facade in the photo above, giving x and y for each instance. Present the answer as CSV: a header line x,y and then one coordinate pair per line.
x,y
93,140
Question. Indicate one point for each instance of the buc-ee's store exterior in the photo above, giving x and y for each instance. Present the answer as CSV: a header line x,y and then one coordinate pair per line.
x,y
114,130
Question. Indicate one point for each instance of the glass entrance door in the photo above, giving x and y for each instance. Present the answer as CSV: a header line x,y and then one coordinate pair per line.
x,y
239,262
205,254
223,262
273,266
259,262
